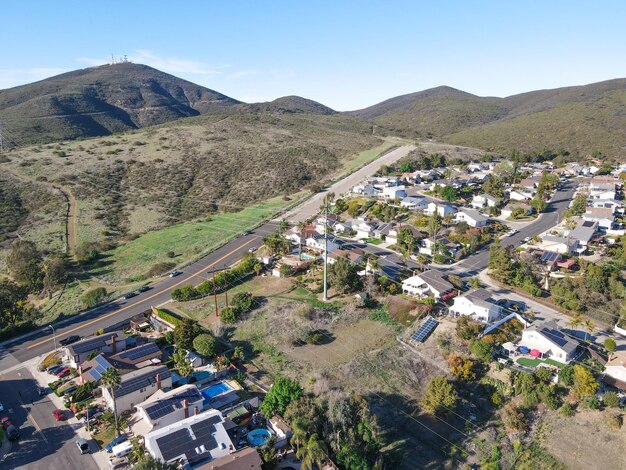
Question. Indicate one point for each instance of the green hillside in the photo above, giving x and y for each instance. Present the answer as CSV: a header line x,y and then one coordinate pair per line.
x,y
580,119
102,100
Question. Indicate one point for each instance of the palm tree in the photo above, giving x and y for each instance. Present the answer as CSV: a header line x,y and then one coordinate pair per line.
x,y
301,227
299,435
589,327
576,321
283,226
111,379
313,453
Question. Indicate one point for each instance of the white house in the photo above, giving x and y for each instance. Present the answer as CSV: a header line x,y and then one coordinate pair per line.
x,y
165,408
282,430
603,215
472,217
507,210
364,228
521,195
394,192
484,200
137,386
197,438
550,341
615,372
584,232
604,190
605,203
414,203
476,304
427,284
562,245
317,242
442,209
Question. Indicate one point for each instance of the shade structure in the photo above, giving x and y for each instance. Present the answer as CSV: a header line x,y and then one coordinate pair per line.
x,y
524,350
535,353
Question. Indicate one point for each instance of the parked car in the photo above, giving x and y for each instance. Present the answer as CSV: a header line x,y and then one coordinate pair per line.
x,y
59,415
54,369
91,412
12,432
69,340
130,295
69,390
118,463
63,372
83,446
41,391
144,289
118,440
175,273
5,422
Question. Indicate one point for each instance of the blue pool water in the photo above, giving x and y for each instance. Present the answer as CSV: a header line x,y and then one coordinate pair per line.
x,y
258,437
215,390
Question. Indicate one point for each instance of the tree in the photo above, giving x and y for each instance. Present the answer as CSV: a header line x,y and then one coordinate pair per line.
x,y
93,297
566,375
461,367
440,396
610,345
285,270
55,274
299,433
584,383
434,224
111,379
24,262
276,244
14,305
467,329
238,353
449,194
514,418
243,301
314,453
481,349
589,327
406,242
86,252
283,391
205,345
343,275
147,462
183,366
185,332
229,315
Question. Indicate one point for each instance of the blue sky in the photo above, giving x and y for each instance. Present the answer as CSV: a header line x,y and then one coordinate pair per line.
x,y
345,54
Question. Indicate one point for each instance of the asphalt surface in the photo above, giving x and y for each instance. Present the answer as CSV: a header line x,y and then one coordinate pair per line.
x,y
118,312
44,444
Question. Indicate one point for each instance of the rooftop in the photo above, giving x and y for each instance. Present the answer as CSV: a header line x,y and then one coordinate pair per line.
x,y
163,403
550,331
435,279
141,378
243,459
96,342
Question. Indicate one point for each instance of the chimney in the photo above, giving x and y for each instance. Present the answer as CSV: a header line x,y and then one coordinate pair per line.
x,y
80,374
158,381
186,407
114,343
196,412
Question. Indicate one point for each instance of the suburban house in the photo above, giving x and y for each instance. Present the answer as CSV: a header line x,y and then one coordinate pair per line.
x,y
603,215
441,209
414,203
329,220
298,236
109,343
427,245
354,255
193,440
137,386
602,190
472,217
427,284
550,341
281,429
476,304
530,183
364,228
246,458
521,195
394,192
382,231
316,242
128,360
507,211
606,203
483,200
583,233
562,245
165,408
615,372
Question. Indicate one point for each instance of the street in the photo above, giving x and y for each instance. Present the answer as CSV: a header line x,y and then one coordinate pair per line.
x,y
45,444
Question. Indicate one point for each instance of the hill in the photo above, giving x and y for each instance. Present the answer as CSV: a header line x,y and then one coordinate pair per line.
x,y
102,100
580,119
289,105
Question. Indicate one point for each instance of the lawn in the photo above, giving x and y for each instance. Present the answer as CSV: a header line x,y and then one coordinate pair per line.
x,y
188,241
368,156
373,241
527,362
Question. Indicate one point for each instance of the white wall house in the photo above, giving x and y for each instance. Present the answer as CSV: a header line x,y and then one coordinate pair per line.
x,y
550,341
615,372
521,195
394,192
476,304
414,203
483,200
165,408
427,284
472,217
442,209
137,386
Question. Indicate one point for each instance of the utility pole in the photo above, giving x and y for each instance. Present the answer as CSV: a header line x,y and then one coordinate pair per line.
x,y
326,249
1,139
226,294
217,311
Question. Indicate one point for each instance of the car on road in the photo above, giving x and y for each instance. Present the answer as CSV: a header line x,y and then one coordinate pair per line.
x,y
118,440
526,239
144,289
59,415
130,295
63,372
512,232
69,340
175,273
83,446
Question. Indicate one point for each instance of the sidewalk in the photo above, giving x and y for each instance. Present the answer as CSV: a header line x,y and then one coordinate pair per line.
x,y
5,448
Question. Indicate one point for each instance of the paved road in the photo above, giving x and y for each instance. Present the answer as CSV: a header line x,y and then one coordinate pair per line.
x,y
120,311
45,444
312,206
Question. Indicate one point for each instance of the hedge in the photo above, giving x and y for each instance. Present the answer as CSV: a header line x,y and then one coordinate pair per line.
x,y
167,316
217,282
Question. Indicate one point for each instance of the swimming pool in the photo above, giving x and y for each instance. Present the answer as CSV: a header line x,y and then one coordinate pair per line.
x,y
258,437
216,390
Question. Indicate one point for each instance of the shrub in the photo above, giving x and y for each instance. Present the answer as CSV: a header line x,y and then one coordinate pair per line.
x,y
610,344
592,403
467,329
611,399
566,375
497,399
50,360
481,349
93,297
228,315
514,418
184,293
544,374
243,302
160,268
615,421
169,317
461,367
205,344
567,409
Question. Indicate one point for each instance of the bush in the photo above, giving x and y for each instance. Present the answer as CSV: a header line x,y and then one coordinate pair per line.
x,y
50,360
228,315
184,293
94,297
544,374
160,268
205,345
611,399
610,344
243,302
467,329
169,317
497,399
615,421
567,409
592,403
566,375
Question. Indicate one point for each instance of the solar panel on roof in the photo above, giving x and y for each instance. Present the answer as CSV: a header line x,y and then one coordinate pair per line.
x,y
549,256
182,442
139,351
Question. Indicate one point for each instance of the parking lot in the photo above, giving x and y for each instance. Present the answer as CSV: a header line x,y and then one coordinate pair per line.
x,y
45,443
